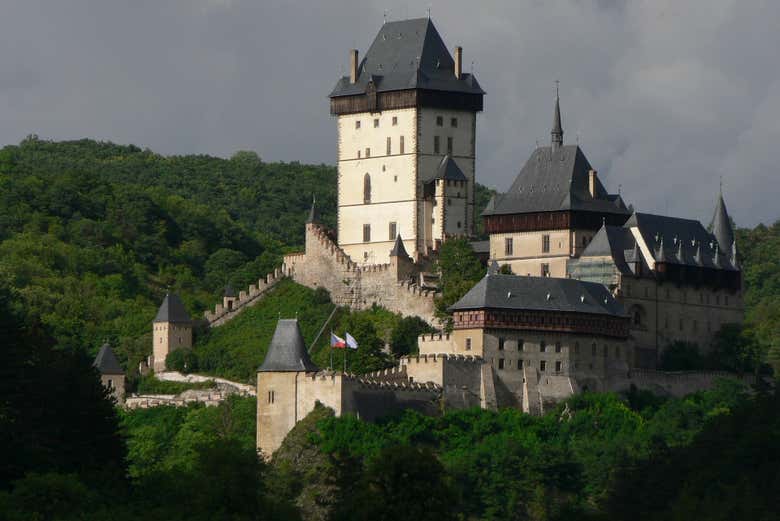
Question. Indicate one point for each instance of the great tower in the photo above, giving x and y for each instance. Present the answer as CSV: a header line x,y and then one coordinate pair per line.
x,y
406,144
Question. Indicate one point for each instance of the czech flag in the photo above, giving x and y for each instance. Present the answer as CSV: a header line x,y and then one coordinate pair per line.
x,y
337,342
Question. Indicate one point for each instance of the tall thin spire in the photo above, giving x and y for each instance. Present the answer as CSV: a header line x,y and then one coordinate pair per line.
x,y
557,130
721,224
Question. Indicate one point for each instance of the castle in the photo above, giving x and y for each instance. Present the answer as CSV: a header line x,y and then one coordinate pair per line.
x,y
581,293
597,290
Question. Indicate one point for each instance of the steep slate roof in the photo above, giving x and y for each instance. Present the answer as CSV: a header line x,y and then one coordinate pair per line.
x,y
408,54
229,291
398,248
552,180
287,351
172,310
314,213
721,225
448,169
517,292
613,241
679,241
106,361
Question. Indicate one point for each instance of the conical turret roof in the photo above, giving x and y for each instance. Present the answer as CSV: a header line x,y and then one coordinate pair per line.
x,y
106,361
557,129
721,225
172,310
287,351
398,248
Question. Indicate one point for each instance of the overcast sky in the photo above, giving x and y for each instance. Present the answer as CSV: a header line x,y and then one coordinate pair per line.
x,y
666,96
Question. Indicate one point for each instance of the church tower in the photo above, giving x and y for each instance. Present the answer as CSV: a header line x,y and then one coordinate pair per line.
x,y
172,329
406,144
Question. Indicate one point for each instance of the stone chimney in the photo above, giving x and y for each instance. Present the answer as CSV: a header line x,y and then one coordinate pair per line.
x,y
592,182
353,65
458,61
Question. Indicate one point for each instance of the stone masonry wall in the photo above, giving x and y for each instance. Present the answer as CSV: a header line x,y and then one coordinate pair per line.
x,y
246,298
326,265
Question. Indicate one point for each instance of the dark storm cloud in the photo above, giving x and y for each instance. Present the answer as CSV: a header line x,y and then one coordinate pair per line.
x,y
664,96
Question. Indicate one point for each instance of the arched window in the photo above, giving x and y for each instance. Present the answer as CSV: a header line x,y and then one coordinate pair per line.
x,y
366,189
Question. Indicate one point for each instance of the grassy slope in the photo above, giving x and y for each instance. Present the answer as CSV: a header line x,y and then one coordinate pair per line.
x,y
236,349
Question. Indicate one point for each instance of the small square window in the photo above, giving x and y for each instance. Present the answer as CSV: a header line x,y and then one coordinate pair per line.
x,y
542,347
500,344
376,123
357,124
500,363
520,363
454,122
542,365
439,121
395,120
557,347
558,366
395,178
468,344
368,152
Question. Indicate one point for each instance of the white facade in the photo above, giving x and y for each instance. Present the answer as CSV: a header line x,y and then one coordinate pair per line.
x,y
384,162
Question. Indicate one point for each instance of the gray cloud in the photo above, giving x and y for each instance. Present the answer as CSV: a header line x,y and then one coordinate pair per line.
x,y
664,96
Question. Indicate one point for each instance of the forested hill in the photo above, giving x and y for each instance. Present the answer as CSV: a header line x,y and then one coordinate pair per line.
x,y
92,233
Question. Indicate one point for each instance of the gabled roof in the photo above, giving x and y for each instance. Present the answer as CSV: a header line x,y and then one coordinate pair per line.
x,y
287,351
721,225
553,180
106,361
497,291
398,248
172,310
449,169
408,54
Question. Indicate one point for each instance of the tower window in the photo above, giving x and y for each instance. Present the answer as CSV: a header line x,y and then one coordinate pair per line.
x,y
392,231
368,152
358,154
395,120
401,145
395,178
357,124
558,366
500,363
271,396
545,270
439,121
436,145
454,122
520,363
459,225
542,365
545,244
449,145
376,123
500,343
542,347
366,233
508,246
557,347
366,189
389,146
468,344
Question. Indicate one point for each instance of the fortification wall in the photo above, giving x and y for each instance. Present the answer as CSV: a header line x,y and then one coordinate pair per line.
x,y
326,265
676,384
460,377
246,298
436,343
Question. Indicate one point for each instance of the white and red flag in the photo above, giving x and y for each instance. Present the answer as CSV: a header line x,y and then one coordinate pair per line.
x,y
337,342
351,342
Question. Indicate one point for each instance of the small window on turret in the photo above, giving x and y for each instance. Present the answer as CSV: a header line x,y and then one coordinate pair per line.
x,y
454,122
357,124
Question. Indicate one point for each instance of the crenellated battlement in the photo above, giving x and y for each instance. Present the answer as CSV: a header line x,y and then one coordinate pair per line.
x,y
439,357
246,298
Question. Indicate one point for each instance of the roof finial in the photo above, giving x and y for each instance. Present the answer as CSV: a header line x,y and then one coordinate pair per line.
x,y
721,186
429,12
384,17
557,130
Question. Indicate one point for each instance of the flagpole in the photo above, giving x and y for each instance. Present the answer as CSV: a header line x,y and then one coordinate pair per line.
x,y
331,349
345,359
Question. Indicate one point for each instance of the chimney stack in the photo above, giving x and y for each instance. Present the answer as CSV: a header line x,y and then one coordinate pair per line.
x,y
353,65
592,182
458,61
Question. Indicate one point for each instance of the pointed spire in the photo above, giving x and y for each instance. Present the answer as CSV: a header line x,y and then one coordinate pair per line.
x,y
660,254
734,260
721,224
398,248
287,351
680,255
557,130
716,256
229,291
172,310
106,361
697,255
314,214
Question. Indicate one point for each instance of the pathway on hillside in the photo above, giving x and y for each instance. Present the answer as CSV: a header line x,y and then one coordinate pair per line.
x,y
175,376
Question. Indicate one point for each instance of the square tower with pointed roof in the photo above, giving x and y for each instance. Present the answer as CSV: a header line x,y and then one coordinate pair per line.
x,y
406,144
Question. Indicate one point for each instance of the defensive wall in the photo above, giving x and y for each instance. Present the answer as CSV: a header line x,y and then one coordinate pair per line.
x,y
246,298
392,285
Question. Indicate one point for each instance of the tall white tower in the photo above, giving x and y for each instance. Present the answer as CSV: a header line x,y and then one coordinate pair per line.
x,y
406,144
